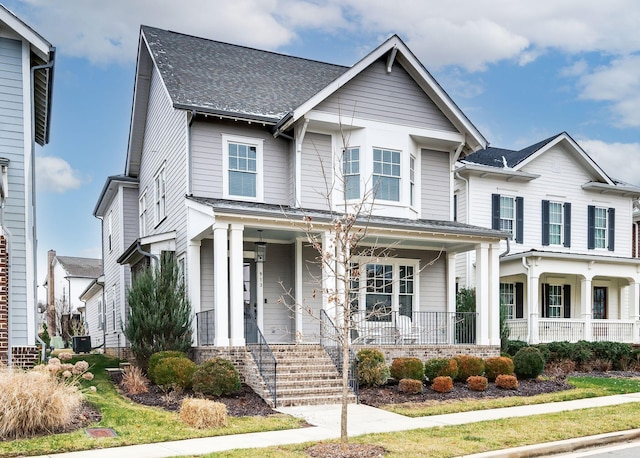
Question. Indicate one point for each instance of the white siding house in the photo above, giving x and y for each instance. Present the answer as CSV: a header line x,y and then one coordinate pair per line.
x,y
568,271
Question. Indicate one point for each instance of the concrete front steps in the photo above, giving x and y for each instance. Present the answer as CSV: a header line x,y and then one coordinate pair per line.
x,y
306,376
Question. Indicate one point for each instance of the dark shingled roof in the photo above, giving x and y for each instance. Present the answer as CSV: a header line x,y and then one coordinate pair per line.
x,y
493,156
81,267
229,79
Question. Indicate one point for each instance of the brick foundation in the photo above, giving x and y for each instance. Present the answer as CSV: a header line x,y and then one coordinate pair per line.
x,y
25,357
426,352
123,353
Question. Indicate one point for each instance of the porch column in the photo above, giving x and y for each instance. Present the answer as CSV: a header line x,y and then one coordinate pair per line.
x,y
587,306
634,314
236,285
482,294
193,284
494,294
328,276
534,308
451,295
221,284
298,292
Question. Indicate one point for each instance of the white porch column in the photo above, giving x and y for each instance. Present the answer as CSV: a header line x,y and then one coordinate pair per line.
x,y
328,275
634,313
298,291
451,295
482,294
193,284
587,306
494,294
534,309
236,286
221,288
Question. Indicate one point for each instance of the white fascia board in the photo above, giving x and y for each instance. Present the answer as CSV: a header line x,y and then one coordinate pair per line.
x,y
625,191
38,44
485,170
581,153
157,238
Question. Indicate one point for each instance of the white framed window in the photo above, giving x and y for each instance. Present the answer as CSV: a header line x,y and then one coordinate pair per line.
x,y
507,214
142,214
243,168
600,234
160,195
508,298
113,308
555,301
412,181
555,223
386,174
100,314
351,173
110,230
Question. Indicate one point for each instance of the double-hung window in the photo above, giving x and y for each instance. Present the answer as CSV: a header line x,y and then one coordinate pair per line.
x,y
110,230
351,173
507,214
555,301
242,178
386,174
601,228
555,223
142,214
100,314
412,181
508,298
160,196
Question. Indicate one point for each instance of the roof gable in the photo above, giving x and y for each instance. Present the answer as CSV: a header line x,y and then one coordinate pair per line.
x,y
81,267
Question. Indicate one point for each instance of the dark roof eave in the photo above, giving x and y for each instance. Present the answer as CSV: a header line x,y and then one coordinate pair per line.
x,y
228,114
110,179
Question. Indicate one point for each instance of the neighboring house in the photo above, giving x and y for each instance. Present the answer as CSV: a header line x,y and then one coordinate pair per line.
x,y
568,271
230,145
67,278
93,298
26,78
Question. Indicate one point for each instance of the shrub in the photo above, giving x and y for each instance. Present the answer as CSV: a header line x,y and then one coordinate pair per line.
x,y
528,363
410,386
507,382
442,384
440,367
512,346
560,368
616,353
407,368
134,381
372,368
174,373
159,315
469,366
201,413
601,365
159,356
35,401
477,383
497,365
217,377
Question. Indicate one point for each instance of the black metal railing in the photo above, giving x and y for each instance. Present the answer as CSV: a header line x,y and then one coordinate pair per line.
x,y
262,355
206,330
331,339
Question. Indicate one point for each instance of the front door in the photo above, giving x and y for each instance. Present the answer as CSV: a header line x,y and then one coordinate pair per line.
x,y
599,303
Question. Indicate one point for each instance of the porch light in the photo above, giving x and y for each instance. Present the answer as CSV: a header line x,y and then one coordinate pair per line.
x,y
261,249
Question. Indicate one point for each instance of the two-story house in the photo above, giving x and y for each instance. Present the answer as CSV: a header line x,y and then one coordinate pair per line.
x,y
231,147
567,272
26,77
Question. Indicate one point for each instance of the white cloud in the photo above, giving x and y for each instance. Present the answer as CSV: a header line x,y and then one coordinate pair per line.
x,y
578,68
54,174
618,160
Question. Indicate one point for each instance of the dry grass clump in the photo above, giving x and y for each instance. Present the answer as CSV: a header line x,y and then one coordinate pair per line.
x,y
477,383
560,369
507,382
134,381
410,386
442,384
202,413
35,401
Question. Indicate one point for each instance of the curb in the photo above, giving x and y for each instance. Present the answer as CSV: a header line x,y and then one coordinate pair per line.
x,y
564,446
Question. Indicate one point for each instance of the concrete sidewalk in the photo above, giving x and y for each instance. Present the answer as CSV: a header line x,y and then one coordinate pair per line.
x,y
362,420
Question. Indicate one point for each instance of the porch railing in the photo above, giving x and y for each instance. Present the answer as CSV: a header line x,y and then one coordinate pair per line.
x,y
262,355
613,331
571,330
417,328
205,326
331,340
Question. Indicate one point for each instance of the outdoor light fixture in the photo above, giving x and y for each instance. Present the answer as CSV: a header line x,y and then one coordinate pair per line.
x,y
261,249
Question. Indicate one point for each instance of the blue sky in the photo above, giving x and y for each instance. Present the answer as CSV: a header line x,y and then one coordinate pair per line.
x,y
521,71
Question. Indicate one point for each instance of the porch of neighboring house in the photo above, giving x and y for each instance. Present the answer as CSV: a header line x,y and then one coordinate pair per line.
x,y
553,297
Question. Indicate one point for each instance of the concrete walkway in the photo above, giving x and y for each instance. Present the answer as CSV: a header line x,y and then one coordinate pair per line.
x,y
326,425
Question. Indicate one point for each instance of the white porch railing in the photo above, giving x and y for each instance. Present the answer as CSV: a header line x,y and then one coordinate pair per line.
x,y
559,330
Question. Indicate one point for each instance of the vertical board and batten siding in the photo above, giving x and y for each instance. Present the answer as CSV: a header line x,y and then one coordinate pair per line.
x,y
12,147
435,187
165,144
207,160
315,178
278,323
393,98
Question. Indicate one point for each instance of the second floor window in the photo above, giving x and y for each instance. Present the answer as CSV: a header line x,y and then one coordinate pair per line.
x,y
160,195
601,228
386,174
110,230
351,173
142,215
242,178
507,214
556,223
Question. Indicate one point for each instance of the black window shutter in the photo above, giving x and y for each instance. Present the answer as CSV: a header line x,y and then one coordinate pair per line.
x,y
545,300
567,224
519,219
612,229
591,227
567,301
495,211
519,300
455,207
545,222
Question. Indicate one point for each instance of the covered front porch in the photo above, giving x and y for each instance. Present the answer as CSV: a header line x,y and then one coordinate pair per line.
x,y
252,273
562,297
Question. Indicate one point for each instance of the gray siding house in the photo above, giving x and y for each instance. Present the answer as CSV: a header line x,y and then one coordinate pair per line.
x,y
26,77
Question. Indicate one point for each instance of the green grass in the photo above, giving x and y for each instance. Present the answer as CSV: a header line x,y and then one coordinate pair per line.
x,y
451,441
585,387
133,423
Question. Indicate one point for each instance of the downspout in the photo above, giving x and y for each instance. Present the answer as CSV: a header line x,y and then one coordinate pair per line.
x,y
48,66
8,235
146,253
466,211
